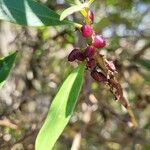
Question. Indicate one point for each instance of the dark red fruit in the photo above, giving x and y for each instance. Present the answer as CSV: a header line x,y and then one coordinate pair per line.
x,y
81,56
91,16
98,41
98,76
73,55
90,51
87,31
76,54
91,63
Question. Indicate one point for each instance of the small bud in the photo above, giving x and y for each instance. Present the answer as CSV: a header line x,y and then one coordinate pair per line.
x,y
98,76
98,41
73,55
87,31
91,63
91,16
89,52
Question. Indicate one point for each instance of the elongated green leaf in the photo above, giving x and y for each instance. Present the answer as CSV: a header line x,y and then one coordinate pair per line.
x,y
145,63
6,64
72,10
60,111
29,13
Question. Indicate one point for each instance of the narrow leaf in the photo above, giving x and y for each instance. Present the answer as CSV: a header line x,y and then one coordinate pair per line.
x,y
72,10
29,13
61,110
6,64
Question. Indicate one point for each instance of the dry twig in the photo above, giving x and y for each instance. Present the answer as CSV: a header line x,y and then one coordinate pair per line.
x,y
115,86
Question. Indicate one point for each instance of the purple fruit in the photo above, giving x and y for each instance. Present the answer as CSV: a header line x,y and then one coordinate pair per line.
x,y
98,76
91,63
81,56
98,41
73,55
87,31
90,51
76,54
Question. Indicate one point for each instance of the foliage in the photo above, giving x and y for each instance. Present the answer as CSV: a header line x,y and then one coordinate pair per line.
x,y
29,13
42,66
72,9
6,64
61,110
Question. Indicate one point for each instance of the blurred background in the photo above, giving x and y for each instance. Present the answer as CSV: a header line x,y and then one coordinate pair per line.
x,y
99,122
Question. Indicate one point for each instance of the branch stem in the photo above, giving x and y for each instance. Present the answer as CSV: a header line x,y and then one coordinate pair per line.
x,y
132,117
113,82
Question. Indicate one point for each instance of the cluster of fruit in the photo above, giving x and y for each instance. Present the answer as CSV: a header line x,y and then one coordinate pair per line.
x,y
93,42
102,70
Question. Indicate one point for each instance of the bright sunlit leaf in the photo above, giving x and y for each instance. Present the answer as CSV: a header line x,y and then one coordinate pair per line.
x,y
61,110
29,13
72,9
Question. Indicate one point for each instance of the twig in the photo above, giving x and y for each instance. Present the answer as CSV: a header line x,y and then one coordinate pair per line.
x,y
8,124
115,86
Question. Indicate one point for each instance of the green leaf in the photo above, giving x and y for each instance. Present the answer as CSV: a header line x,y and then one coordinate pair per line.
x,y
29,13
145,63
61,110
72,10
6,64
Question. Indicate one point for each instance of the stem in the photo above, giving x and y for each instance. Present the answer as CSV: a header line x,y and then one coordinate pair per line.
x,y
132,117
100,62
113,82
84,13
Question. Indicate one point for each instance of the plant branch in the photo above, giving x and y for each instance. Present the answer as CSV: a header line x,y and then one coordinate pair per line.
x,y
115,86
8,124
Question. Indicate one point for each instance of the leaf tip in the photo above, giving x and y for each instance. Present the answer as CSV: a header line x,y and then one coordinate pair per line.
x,y
61,18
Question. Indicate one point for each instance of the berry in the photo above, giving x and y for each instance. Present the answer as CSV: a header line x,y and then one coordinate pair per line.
x,y
98,76
98,41
73,55
89,52
91,16
76,54
87,31
91,63
81,56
